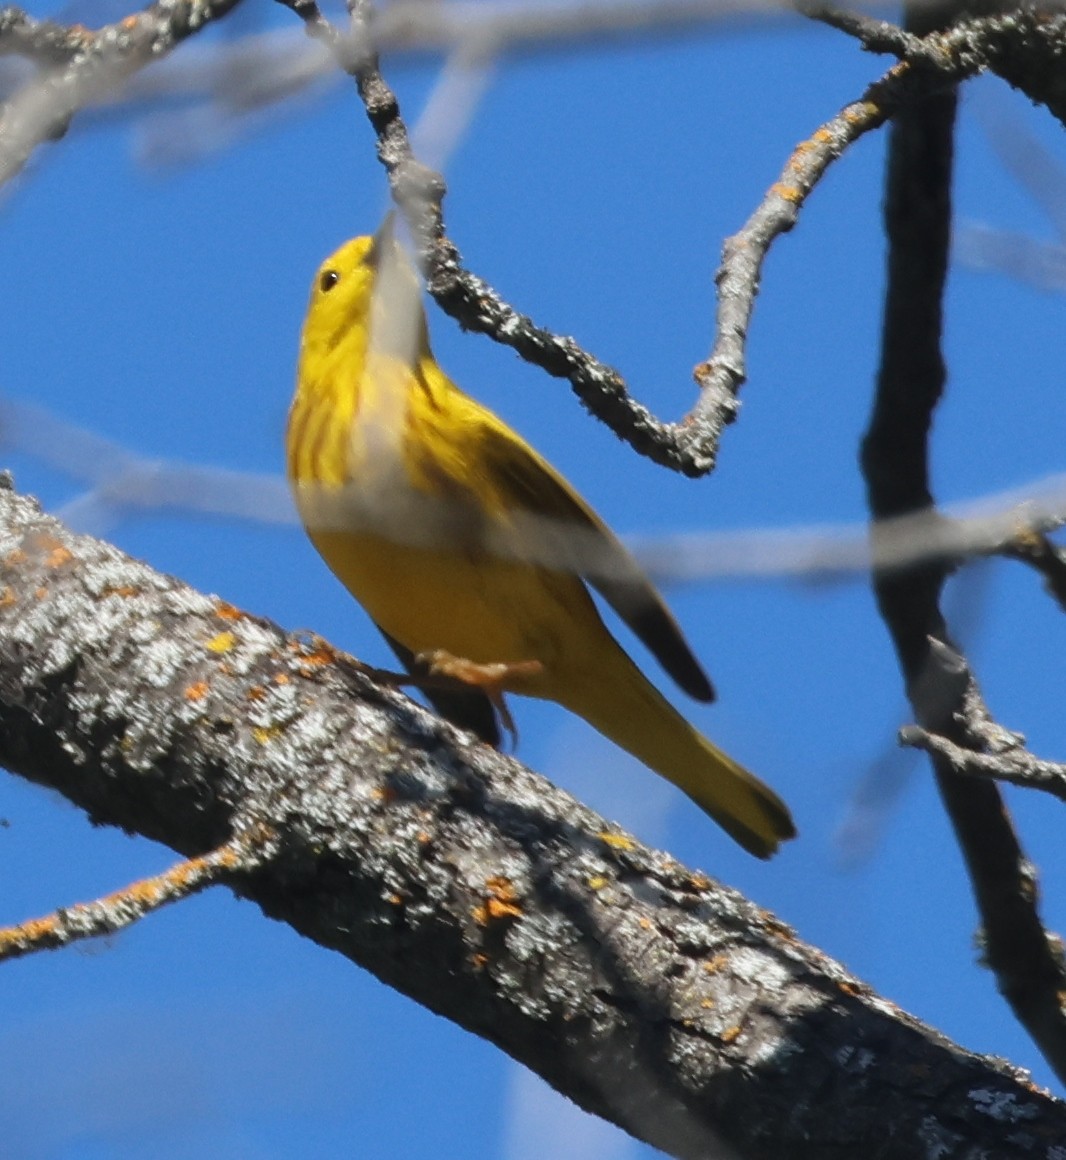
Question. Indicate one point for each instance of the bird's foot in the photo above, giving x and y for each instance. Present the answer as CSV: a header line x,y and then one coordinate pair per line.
x,y
490,679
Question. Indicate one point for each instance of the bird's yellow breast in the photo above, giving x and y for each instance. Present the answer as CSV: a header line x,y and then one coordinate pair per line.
x,y
432,560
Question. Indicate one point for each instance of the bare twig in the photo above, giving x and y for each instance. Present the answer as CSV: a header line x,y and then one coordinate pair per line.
x,y
114,912
1015,764
873,34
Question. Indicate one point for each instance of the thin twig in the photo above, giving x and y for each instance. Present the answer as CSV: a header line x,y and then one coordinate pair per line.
x,y
1015,765
124,907
874,35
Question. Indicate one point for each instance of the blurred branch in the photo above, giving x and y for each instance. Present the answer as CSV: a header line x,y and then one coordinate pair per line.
x,y
123,908
1013,524
41,41
1038,262
943,692
1041,264
658,999
90,66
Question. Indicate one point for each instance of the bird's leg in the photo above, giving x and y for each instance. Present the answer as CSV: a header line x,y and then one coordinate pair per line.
x,y
490,679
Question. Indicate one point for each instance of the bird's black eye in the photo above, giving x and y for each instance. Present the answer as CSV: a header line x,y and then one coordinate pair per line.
x,y
327,280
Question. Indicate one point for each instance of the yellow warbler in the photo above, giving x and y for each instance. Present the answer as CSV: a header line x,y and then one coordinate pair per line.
x,y
462,543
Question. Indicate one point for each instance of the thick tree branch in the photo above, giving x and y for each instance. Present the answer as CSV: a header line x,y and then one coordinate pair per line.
x,y
942,690
648,993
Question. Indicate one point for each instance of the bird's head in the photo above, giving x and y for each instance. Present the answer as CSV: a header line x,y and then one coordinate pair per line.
x,y
367,292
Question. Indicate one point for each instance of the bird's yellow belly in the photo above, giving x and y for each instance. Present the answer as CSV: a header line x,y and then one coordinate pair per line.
x,y
472,608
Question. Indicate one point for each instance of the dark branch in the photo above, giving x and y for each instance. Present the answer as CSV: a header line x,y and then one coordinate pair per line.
x,y
646,992
942,690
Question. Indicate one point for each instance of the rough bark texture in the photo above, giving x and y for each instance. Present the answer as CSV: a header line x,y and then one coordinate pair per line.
x,y
646,992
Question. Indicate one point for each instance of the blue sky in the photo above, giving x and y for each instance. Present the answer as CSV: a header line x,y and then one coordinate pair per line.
x,y
161,307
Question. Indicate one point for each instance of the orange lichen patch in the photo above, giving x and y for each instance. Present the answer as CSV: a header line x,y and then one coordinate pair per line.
x,y
226,611
27,933
121,590
282,678
478,960
423,839
698,882
256,693
702,370
716,963
822,137
197,691
645,923
731,1034
41,542
707,1003
598,883
264,734
40,593
498,909
129,23
58,556
786,192
15,557
221,643
861,113
775,926
503,899
395,899
323,655
501,902
7,596
616,841
502,888
849,988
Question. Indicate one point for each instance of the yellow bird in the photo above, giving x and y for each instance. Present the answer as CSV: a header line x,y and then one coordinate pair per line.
x,y
471,553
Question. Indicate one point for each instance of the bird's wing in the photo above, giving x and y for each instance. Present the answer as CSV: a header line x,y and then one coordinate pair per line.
x,y
558,529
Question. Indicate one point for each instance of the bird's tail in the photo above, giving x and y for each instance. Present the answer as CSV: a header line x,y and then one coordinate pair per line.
x,y
629,710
